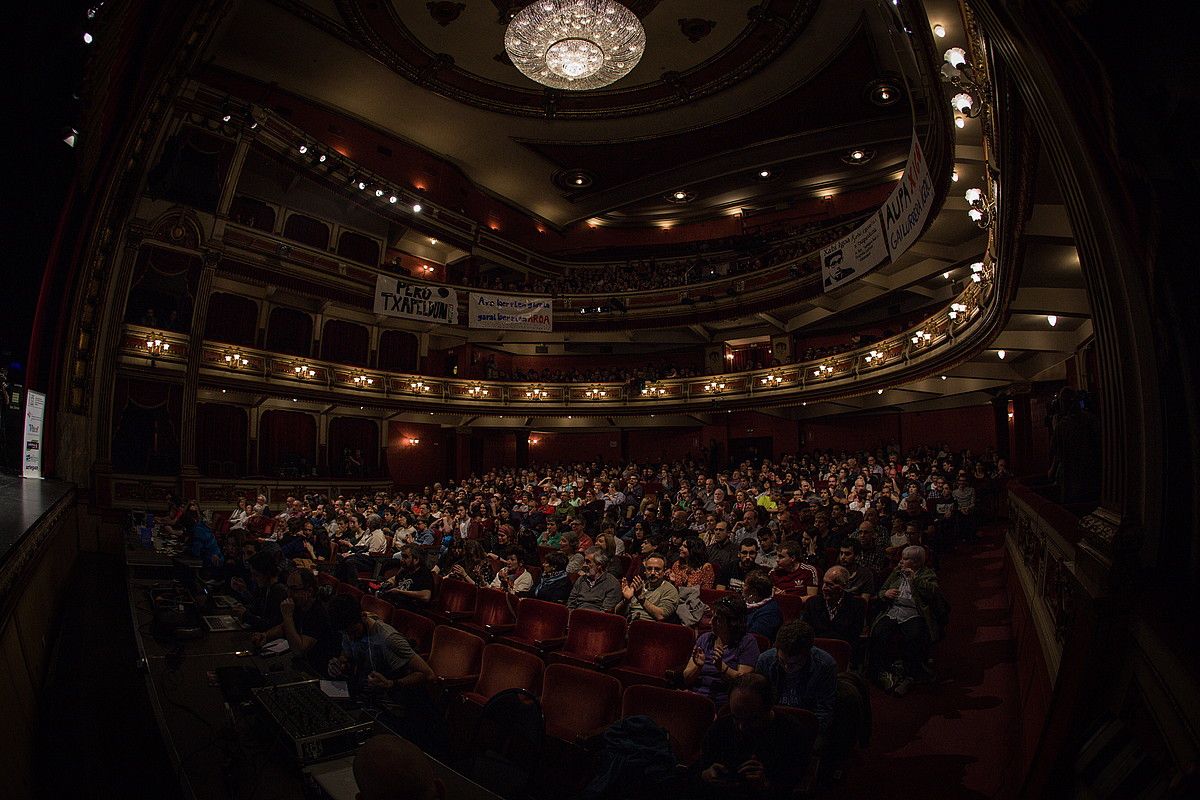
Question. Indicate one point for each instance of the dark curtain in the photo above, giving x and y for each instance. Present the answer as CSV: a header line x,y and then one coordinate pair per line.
x,y
252,213
192,169
146,418
232,319
221,435
307,230
353,436
162,290
345,343
290,331
357,247
398,351
287,444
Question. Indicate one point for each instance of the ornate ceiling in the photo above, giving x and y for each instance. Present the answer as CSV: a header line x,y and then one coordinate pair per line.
x,y
726,89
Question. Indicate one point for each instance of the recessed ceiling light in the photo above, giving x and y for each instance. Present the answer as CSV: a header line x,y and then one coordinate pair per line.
x,y
879,391
943,377
393,199
959,122
433,241
1053,320
681,195
88,38
766,173
416,208
1000,354
939,31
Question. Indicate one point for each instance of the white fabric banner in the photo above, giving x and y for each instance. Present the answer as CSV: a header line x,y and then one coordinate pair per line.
x,y
396,297
905,211
854,255
887,234
35,418
510,312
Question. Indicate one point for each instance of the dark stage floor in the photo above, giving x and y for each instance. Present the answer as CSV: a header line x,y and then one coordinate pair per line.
x,y
22,504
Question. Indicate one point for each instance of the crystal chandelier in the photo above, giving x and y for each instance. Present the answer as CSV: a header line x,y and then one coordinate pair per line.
x,y
575,44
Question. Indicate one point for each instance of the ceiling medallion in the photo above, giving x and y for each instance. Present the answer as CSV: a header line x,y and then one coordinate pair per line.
x,y
573,179
858,156
575,44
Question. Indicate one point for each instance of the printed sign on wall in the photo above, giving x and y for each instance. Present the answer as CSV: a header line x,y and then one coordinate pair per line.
x,y
396,297
510,312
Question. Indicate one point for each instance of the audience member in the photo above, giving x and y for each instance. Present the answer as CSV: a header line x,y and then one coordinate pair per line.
x,y
722,654
906,626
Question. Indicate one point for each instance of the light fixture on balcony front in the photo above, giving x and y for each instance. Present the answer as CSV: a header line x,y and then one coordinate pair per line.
x,y
822,371
920,337
536,393
955,310
654,391
771,379
236,360
418,386
575,44
596,393
477,391
874,355
714,387
156,347
980,208
304,372
972,93
362,381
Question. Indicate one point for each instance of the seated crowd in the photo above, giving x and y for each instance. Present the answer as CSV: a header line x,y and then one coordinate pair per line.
x,y
786,571
711,261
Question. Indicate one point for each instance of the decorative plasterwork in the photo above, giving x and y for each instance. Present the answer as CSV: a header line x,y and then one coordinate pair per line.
x,y
376,28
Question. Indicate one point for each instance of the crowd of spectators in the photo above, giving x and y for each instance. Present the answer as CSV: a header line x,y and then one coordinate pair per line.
x,y
711,261
858,535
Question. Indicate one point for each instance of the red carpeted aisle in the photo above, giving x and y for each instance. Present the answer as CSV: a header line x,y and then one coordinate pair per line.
x,y
956,737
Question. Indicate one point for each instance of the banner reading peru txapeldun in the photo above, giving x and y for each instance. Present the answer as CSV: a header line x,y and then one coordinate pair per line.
x,y
887,233
398,298
510,312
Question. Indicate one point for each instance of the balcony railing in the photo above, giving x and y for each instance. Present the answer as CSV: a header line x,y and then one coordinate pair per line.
x,y
899,359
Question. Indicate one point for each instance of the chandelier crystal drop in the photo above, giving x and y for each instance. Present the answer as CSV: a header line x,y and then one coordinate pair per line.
x,y
575,44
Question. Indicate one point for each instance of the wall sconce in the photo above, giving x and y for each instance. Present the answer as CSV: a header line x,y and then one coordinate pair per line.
x,y
714,387
477,391
981,209
157,347
921,337
956,309
972,93
596,393
823,371
418,386
236,360
304,372
654,391
412,440
771,379
362,381
874,355
536,393
533,440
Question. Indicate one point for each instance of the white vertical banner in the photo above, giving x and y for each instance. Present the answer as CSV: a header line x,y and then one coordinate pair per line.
x,y
907,208
35,418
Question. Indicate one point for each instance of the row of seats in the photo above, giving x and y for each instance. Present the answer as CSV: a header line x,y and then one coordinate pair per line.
x,y
638,652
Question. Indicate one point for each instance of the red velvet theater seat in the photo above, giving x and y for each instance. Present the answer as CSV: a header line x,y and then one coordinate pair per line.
x,y
541,626
503,668
652,649
492,618
837,648
578,702
592,637
414,627
380,608
454,600
685,716
455,657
